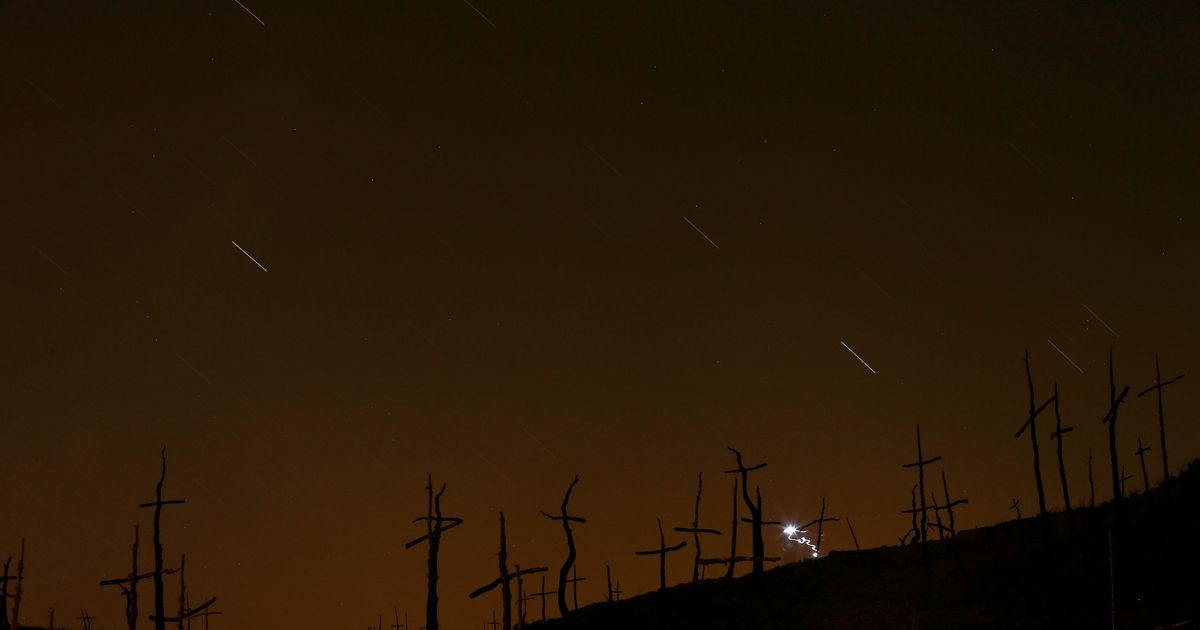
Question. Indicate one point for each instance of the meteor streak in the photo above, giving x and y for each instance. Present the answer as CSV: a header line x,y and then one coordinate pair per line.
x,y
859,358
248,255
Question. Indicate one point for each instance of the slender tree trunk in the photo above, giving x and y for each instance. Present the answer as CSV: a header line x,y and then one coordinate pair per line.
x,y
1112,431
733,533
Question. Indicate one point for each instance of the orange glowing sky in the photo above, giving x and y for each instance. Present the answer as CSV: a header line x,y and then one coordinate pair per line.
x,y
481,250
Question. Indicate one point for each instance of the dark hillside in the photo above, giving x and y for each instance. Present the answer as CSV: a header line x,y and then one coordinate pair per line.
x,y
1018,574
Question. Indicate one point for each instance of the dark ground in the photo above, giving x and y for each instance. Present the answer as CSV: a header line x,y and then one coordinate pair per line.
x,y
1018,574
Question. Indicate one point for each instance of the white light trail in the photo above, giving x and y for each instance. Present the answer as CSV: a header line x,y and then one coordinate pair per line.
x,y
1064,355
859,358
260,266
251,12
791,531
485,18
689,222
1114,333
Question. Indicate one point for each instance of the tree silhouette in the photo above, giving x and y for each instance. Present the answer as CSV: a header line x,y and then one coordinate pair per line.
x,y
695,530
435,525
1031,424
566,519
159,616
1057,436
1162,429
755,520
1110,418
505,578
662,552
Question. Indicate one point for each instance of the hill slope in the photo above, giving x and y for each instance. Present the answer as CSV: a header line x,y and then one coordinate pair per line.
x,y
1018,574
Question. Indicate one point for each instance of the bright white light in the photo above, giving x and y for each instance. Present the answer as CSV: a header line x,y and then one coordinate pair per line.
x,y
790,531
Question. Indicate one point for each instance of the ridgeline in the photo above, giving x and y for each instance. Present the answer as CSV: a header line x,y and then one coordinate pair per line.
x,y
1028,573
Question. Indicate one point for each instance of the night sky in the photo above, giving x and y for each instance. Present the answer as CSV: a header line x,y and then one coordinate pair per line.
x,y
319,250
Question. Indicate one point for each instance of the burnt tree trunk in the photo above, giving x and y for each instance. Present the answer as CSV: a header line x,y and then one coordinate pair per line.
x,y
1091,482
1162,427
1059,432
756,522
570,561
733,534
1141,453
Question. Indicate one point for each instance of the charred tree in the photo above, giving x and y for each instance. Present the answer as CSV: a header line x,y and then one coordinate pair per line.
x,y
733,534
1091,482
1016,505
505,579
1110,418
607,578
820,523
1162,428
1057,436
16,614
920,464
436,524
662,552
4,625
695,530
566,520
1031,424
950,503
853,536
574,582
1141,453
157,575
85,619
755,520
128,584
542,593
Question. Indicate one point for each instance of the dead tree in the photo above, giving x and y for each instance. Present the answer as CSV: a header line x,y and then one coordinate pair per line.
x,y
1031,424
937,517
852,534
949,506
157,575
128,584
608,579
206,613
505,579
396,625
1162,429
755,520
1016,505
662,552
820,523
4,625
1057,436
733,534
695,530
920,464
86,619
574,582
542,593
16,615
566,519
1124,478
435,525
186,612
1110,418
521,598
1091,482
1141,453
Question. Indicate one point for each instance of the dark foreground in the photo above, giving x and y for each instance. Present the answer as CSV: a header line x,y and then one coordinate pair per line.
x,y
1019,574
